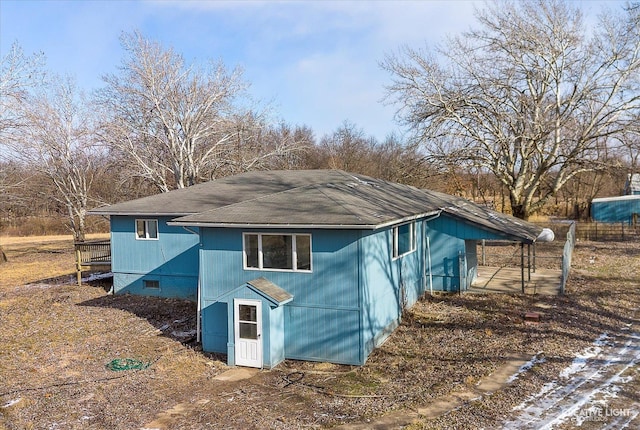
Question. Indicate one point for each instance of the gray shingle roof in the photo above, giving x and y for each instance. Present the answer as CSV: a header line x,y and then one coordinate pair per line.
x,y
313,199
482,216
267,288
352,202
220,192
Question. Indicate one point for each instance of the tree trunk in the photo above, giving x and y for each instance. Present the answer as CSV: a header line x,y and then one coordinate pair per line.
x,y
519,211
3,256
519,208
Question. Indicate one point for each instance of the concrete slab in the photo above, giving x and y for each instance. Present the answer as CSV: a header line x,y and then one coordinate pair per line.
x,y
509,280
499,378
445,404
237,374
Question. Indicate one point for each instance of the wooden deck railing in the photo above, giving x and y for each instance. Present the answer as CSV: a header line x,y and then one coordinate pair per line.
x,y
95,253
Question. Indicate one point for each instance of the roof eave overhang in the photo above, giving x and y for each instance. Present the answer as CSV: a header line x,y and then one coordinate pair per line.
x,y
273,226
133,213
507,235
305,226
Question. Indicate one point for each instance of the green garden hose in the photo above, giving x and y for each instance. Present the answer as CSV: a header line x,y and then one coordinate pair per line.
x,y
120,364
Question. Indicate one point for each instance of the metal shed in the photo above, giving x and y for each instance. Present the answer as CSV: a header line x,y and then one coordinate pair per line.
x,y
623,209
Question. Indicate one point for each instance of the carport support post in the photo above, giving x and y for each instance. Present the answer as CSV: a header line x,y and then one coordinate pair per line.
x,y
534,257
528,262
522,265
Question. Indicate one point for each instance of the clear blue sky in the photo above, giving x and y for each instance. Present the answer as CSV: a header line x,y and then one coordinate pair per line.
x,y
316,62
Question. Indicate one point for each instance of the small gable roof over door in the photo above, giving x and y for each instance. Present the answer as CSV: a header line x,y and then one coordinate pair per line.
x,y
270,291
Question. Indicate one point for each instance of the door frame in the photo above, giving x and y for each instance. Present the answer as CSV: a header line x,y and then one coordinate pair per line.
x,y
236,328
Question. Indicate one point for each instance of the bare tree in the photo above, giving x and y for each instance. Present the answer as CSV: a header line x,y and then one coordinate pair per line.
x,y
349,149
18,75
59,140
177,123
530,95
290,146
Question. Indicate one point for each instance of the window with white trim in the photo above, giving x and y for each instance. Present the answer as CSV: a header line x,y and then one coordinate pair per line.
x,y
147,229
267,251
404,239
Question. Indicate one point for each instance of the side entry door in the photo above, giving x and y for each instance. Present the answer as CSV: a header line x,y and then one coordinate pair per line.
x,y
248,332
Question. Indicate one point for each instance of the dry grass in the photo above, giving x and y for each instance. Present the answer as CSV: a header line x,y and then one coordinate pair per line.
x,y
38,259
56,339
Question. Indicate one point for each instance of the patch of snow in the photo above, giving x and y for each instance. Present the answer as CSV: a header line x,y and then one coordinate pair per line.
x,y
11,403
623,425
184,333
581,359
593,378
97,277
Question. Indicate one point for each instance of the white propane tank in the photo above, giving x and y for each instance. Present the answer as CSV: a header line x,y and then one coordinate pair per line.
x,y
546,235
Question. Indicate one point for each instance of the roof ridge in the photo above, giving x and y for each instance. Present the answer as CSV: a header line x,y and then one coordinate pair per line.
x,y
341,203
346,175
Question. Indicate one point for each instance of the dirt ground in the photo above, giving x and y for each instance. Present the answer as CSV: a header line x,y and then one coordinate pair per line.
x,y
57,340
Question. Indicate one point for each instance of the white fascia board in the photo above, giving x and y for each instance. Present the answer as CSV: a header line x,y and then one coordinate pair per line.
x,y
141,214
616,199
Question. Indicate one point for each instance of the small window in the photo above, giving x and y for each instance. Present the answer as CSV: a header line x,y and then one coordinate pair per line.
x,y
155,285
146,229
277,251
251,251
404,239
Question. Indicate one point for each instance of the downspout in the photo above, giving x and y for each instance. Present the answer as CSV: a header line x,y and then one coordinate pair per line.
x,y
199,303
199,308
430,274
425,247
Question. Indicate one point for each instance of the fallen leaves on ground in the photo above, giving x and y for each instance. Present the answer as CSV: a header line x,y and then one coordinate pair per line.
x,y
57,340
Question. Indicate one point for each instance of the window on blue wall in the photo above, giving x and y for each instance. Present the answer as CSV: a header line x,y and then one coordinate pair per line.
x,y
404,239
155,285
146,229
265,251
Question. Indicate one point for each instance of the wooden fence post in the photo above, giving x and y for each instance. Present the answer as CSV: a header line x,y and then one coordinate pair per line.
x,y
78,264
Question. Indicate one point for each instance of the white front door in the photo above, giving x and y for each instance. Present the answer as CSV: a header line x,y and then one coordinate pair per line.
x,y
248,332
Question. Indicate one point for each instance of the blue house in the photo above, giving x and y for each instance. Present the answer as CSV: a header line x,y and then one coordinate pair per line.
x,y
313,265
632,186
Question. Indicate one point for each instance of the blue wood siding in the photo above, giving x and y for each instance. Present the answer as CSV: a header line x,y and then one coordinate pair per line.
x,y
321,323
388,284
453,251
616,210
350,302
322,334
172,259
445,251
333,281
276,336
214,329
